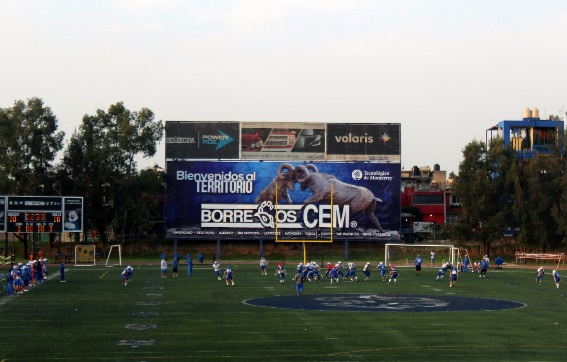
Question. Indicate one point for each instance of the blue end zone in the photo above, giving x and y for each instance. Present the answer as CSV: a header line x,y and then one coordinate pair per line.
x,y
383,303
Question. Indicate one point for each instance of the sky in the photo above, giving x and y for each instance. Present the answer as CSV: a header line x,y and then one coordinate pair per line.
x,y
445,70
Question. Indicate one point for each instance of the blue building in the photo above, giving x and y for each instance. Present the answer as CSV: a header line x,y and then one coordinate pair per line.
x,y
531,135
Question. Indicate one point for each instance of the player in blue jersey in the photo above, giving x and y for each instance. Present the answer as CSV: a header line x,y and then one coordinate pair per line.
x,y
26,276
304,270
417,263
351,272
216,269
280,272
540,272
229,276
466,262
124,276
393,275
334,275
62,273
174,266
383,270
316,271
39,271
10,281
309,274
440,273
454,277
556,278
339,267
44,268
366,272
189,265
483,268
18,282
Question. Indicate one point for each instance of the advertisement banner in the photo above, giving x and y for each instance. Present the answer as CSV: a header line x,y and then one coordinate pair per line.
x,y
73,214
201,140
364,142
282,141
208,200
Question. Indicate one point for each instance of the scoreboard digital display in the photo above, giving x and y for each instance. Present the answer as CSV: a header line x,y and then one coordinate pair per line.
x,y
34,222
42,214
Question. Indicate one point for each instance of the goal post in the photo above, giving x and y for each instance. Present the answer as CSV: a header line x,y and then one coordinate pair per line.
x,y
85,255
391,254
114,257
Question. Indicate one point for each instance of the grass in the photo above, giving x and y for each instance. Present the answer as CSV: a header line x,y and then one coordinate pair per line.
x,y
93,317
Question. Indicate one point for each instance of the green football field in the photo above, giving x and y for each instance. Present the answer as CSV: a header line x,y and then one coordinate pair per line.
x,y
92,317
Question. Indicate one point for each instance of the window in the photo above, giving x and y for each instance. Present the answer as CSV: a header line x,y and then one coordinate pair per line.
x,y
428,200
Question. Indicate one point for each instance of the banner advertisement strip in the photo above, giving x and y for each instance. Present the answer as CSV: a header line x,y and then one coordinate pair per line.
x,y
202,140
235,200
282,141
364,142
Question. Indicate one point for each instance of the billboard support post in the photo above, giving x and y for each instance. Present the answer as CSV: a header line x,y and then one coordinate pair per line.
x,y
218,249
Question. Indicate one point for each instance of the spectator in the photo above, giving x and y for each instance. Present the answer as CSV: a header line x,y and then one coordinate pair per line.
x,y
298,278
417,263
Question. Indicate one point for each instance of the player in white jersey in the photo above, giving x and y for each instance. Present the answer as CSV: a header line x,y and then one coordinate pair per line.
x,y
216,269
539,275
366,272
263,265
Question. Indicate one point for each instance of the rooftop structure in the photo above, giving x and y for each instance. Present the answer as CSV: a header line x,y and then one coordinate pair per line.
x,y
529,136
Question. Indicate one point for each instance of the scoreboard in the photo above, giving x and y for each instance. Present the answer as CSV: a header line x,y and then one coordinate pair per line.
x,y
41,214
34,222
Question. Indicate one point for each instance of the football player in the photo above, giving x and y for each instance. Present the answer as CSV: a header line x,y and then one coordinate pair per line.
x,y
539,275
393,275
229,275
556,278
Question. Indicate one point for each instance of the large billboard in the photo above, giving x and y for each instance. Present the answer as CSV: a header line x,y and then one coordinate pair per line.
x,y
202,140
236,200
282,141
378,142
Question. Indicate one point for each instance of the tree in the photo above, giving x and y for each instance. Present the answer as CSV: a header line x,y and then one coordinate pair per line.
x,y
100,158
538,203
141,198
29,142
484,189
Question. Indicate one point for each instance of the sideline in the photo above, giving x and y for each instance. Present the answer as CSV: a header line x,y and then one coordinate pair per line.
x,y
7,298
